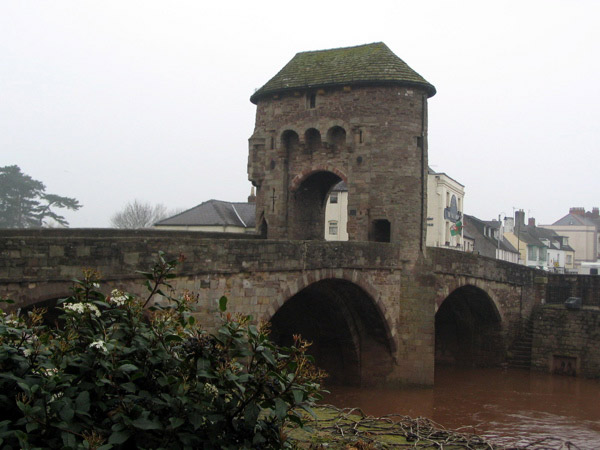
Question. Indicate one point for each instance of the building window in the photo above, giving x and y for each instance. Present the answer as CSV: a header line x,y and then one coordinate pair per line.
x,y
311,100
569,259
333,227
333,198
532,253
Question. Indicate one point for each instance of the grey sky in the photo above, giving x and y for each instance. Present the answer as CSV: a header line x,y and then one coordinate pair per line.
x,y
116,100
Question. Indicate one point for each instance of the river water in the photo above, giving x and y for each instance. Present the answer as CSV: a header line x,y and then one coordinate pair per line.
x,y
509,407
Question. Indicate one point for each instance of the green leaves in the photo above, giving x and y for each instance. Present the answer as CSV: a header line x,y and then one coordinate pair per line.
x,y
223,304
150,378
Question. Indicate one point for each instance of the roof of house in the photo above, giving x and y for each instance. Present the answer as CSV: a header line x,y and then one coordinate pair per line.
x,y
340,187
484,244
215,212
366,64
574,219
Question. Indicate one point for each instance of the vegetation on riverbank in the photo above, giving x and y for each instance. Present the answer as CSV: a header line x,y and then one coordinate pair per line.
x,y
118,371
351,429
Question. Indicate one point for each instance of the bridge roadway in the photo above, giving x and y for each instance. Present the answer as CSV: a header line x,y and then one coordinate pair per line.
x,y
373,315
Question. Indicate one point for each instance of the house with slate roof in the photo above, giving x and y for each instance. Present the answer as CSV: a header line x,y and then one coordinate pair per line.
x,y
583,230
539,247
488,239
213,215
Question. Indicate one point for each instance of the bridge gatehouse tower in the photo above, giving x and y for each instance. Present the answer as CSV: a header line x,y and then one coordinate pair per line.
x,y
358,115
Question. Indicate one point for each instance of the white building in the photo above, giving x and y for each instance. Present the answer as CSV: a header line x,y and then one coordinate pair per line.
x,y
445,198
336,213
444,212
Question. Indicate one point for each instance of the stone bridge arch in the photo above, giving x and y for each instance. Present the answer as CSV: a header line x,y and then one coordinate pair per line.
x,y
468,328
351,329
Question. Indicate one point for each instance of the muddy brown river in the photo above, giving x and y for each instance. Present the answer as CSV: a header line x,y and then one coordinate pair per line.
x,y
509,407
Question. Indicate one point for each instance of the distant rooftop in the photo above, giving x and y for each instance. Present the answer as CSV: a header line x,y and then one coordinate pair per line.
x,y
369,64
215,212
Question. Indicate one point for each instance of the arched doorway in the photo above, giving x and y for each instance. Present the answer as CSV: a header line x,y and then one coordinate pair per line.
x,y
350,339
468,330
307,205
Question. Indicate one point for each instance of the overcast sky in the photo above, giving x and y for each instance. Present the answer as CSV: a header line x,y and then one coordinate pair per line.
x,y
111,101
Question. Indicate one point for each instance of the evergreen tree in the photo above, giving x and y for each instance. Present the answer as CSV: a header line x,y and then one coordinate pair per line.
x,y
24,202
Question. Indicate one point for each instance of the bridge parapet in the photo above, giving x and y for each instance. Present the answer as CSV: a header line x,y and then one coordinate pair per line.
x,y
458,263
30,258
561,287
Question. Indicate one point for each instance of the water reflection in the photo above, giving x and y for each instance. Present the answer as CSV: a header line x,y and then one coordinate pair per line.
x,y
509,406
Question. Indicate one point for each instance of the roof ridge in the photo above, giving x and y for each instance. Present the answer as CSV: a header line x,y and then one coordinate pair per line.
x,y
340,48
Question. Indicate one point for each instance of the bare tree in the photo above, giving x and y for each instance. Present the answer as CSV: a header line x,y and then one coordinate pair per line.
x,y
137,214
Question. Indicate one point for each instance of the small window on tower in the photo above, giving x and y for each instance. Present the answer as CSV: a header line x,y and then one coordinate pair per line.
x,y
333,197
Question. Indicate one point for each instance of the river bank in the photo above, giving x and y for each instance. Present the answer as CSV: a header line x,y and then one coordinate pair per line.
x,y
351,429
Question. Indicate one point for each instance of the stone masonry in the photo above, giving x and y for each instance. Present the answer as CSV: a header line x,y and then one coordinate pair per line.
x,y
369,132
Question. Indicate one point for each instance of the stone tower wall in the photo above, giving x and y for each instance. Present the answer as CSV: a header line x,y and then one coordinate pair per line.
x,y
383,161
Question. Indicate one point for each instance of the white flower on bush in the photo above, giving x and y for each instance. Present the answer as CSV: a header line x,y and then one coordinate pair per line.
x,y
81,308
48,372
211,390
27,352
96,285
100,345
118,297
11,321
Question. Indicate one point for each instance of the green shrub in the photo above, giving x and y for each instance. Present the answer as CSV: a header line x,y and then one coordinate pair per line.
x,y
116,374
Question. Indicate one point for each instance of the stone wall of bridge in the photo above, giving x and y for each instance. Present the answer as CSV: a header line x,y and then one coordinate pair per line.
x,y
387,304
513,289
258,277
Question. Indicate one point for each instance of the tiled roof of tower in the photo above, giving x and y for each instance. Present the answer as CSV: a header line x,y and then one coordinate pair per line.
x,y
368,64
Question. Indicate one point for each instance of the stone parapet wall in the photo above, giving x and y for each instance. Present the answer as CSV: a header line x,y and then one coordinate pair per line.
x,y
566,336
561,287
458,262
52,258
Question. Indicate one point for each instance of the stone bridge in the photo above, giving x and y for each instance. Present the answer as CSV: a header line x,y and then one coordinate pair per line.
x,y
373,315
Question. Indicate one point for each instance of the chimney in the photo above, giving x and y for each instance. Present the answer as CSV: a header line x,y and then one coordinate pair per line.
x,y
519,218
595,212
252,197
578,211
531,222
509,224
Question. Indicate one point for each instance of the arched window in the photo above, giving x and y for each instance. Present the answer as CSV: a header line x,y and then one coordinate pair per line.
x,y
336,137
290,140
312,139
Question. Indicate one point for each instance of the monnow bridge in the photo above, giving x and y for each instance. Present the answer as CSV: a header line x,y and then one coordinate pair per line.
x,y
380,308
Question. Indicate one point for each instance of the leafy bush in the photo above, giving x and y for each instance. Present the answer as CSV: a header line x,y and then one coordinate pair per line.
x,y
116,374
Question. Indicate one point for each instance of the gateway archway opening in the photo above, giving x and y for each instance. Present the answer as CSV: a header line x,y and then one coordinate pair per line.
x,y
307,206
